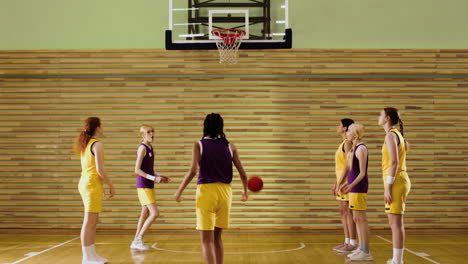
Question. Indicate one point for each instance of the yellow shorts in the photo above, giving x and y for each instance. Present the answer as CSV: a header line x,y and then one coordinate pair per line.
x,y
146,196
357,201
343,197
91,192
400,189
213,204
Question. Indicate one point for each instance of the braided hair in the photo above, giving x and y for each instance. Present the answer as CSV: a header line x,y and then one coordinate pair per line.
x,y
213,127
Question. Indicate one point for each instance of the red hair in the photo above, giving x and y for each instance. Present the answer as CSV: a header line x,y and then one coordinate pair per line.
x,y
89,128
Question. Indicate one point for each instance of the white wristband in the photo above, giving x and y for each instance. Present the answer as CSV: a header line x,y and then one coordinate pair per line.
x,y
157,174
150,177
390,179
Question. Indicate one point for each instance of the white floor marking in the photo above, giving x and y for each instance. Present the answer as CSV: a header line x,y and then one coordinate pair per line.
x,y
301,246
29,247
421,254
32,254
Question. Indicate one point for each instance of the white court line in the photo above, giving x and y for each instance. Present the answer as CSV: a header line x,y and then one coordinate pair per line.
x,y
32,254
28,247
302,245
421,255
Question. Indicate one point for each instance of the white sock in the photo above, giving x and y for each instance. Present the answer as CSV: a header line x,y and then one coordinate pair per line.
x,y
93,249
88,253
397,255
346,240
96,255
353,242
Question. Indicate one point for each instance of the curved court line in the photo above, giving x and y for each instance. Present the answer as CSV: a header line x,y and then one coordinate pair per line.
x,y
302,245
421,255
32,254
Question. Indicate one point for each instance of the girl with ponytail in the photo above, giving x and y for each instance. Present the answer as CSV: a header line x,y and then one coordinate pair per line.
x,y
357,187
93,174
396,181
146,177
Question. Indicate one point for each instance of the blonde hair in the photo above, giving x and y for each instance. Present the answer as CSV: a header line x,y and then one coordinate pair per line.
x,y
145,128
358,132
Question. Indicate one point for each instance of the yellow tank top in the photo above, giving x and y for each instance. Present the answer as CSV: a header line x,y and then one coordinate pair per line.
x,y
89,174
340,160
401,155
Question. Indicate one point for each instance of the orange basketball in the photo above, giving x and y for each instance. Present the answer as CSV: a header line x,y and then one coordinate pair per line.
x,y
255,184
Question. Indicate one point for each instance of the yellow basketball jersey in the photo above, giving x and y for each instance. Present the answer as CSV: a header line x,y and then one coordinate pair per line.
x,y
90,185
401,155
89,174
340,160
88,162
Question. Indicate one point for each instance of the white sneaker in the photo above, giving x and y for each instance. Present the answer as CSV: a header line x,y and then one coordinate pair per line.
x,y
390,261
354,252
101,259
361,256
91,262
94,256
138,244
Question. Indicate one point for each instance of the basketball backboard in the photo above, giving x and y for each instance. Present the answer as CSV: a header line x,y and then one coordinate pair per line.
x,y
266,23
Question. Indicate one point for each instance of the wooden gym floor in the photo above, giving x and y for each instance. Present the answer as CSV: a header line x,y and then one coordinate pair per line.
x,y
241,246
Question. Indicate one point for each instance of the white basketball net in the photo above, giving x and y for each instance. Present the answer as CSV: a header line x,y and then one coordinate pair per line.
x,y
228,42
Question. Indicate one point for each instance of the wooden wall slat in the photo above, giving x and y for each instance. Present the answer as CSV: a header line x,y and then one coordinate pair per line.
x,y
281,108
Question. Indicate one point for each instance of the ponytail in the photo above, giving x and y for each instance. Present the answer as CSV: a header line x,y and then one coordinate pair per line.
x,y
89,128
358,131
403,134
350,156
395,119
401,127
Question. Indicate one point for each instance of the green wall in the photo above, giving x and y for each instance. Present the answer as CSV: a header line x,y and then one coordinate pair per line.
x,y
140,24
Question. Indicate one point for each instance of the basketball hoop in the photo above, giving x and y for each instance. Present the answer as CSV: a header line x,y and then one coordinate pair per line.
x,y
228,41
